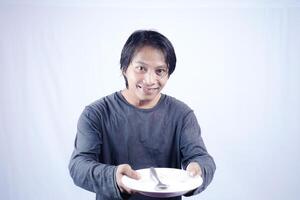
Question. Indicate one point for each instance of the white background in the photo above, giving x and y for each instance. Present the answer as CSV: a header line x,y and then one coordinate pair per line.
x,y
238,68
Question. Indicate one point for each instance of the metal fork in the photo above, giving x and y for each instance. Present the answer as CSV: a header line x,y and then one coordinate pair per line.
x,y
159,185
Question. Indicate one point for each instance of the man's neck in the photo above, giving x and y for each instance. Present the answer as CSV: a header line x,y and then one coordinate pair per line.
x,y
144,104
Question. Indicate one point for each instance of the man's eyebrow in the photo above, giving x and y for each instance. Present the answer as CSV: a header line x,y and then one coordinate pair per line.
x,y
160,66
141,62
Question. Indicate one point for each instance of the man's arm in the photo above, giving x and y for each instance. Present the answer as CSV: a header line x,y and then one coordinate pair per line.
x,y
194,151
85,169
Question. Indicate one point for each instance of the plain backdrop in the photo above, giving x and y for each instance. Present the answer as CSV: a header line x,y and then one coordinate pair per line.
x,y
238,69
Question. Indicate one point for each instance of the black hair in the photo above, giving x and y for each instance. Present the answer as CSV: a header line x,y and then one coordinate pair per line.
x,y
141,38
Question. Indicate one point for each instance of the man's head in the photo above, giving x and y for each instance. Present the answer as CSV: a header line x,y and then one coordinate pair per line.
x,y
142,38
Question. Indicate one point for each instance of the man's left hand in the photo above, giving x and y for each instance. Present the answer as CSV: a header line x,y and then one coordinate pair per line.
x,y
194,169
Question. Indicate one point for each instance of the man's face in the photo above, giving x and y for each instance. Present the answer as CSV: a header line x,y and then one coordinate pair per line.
x,y
147,74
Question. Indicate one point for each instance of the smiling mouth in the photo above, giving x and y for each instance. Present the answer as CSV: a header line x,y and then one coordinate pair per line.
x,y
148,89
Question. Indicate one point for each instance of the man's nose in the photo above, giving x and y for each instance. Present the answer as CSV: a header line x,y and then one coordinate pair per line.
x,y
150,77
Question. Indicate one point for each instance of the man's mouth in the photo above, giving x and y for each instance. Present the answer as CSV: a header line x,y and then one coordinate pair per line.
x,y
148,89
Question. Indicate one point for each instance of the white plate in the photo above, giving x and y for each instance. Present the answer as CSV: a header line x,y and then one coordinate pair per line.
x,y
178,180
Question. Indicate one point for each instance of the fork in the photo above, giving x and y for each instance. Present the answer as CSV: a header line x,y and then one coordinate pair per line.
x,y
159,185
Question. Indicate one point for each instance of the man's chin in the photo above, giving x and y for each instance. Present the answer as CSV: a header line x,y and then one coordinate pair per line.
x,y
148,96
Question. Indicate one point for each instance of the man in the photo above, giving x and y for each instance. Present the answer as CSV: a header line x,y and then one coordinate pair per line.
x,y
138,127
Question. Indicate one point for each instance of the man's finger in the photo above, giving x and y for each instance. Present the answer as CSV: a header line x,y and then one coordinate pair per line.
x,y
125,170
126,189
131,173
194,169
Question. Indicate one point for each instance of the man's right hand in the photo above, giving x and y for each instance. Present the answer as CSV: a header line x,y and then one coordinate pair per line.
x,y
122,170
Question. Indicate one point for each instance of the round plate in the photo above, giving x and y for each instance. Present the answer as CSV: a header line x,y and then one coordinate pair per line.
x,y
179,182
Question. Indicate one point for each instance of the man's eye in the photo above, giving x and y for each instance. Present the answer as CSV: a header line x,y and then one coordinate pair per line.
x,y
161,72
140,68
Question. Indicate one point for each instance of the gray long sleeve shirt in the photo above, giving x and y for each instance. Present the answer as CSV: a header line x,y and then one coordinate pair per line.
x,y
111,132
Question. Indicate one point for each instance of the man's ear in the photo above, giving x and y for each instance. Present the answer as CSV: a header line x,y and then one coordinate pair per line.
x,y
124,72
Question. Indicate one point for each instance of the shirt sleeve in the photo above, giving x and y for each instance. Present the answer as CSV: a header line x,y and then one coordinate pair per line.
x,y
85,169
193,149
